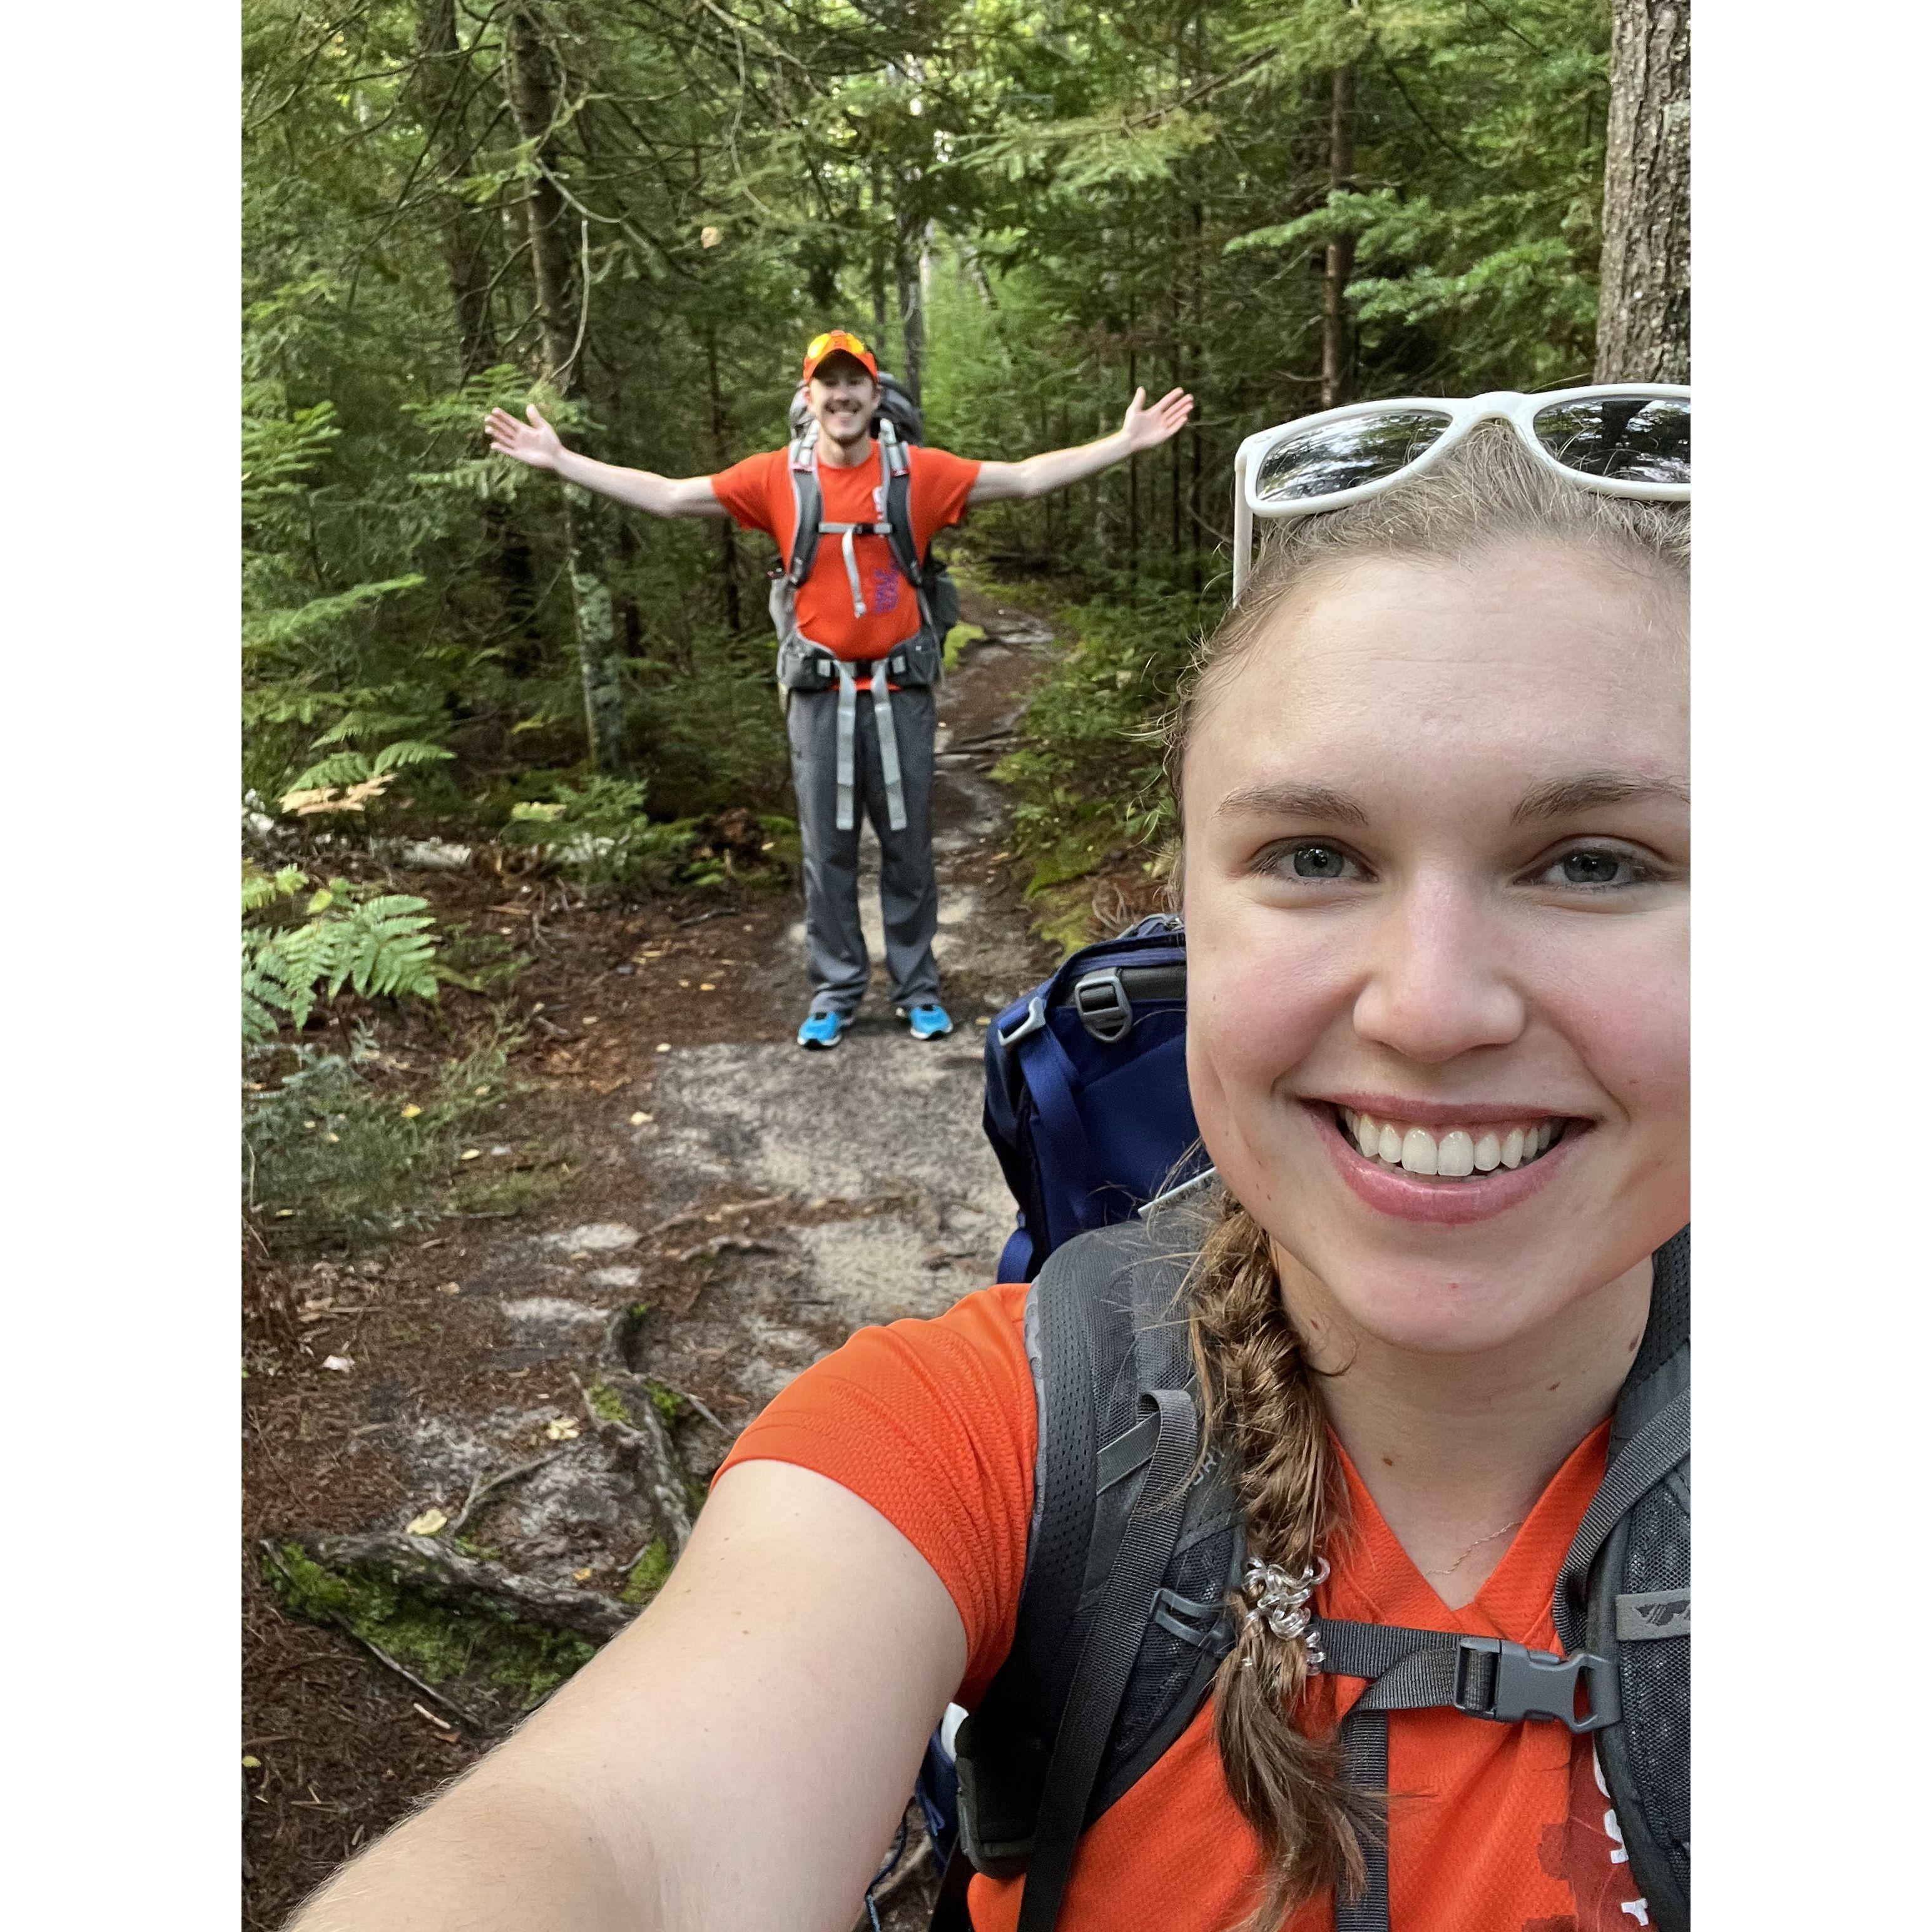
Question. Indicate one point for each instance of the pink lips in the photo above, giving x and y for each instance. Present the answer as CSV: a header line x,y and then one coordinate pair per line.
x,y
1447,1203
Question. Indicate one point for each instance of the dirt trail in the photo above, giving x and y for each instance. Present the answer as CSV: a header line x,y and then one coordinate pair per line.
x,y
734,1208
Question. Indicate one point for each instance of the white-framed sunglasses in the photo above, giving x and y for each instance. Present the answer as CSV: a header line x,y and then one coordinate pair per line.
x,y
1623,438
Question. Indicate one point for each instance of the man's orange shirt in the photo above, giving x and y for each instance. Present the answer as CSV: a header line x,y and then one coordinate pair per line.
x,y
1493,1828
757,492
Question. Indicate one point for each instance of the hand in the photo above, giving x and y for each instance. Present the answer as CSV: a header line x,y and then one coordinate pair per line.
x,y
1147,428
534,443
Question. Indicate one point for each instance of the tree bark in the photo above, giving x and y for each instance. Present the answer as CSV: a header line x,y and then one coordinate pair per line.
x,y
442,85
1643,318
1338,260
534,85
908,254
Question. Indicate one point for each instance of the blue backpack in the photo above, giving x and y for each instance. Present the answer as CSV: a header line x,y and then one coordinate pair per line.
x,y
1086,1102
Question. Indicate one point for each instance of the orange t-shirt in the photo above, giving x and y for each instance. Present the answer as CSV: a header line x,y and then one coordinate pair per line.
x,y
757,492
1493,1828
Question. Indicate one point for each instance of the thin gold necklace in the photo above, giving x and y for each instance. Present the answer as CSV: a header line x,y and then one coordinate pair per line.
x,y
1479,1542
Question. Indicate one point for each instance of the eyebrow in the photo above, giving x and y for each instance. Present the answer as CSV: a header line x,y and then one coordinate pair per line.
x,y
1289,800
1584,791
1587,791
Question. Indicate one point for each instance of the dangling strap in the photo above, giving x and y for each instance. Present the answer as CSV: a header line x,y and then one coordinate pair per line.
x,y
848,718
889,748
1365,1768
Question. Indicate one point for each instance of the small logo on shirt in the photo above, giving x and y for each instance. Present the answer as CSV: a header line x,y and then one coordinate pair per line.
x,y
882,592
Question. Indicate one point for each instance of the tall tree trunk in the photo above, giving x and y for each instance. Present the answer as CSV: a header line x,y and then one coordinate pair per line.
x,y
442,85
1338,260
534,85
881,349
1643,315
907,255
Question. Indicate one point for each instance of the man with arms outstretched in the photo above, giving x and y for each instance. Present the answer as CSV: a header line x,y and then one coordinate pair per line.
x,y
855,618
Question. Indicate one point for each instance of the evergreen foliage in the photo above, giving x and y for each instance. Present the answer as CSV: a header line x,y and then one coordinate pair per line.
x,y
1030,206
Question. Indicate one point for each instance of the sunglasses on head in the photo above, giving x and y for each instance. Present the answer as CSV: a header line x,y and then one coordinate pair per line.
x,y
1622,439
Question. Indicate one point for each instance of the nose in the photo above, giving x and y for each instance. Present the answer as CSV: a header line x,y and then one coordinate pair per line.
x,y
1438,984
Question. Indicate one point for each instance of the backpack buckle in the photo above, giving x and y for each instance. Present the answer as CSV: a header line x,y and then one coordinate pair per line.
x,y
1034,1022
1101,1000
1525,1683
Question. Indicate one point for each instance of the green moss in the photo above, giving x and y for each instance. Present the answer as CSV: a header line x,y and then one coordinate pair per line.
x,y
437,1641
508,1194
668,1403
606,1404
957,639
647,1574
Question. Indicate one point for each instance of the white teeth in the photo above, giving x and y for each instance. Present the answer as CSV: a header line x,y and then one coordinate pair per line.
x,y
1456,1154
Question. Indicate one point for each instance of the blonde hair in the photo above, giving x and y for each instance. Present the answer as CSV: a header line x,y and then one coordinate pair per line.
x,y
1262,1408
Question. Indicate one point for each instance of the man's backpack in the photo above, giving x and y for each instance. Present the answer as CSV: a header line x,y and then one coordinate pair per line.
x,y
803,665
1086,1102
1122,1618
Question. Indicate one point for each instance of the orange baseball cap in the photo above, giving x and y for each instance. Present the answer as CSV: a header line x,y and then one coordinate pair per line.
x,y
838,342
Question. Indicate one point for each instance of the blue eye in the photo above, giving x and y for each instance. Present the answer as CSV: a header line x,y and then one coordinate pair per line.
x,y
1595,868
1316,861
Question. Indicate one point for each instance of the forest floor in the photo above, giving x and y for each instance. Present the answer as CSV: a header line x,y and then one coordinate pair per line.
x,y
686,1210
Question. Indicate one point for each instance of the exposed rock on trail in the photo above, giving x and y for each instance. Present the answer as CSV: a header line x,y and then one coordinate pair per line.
x,y
554,1390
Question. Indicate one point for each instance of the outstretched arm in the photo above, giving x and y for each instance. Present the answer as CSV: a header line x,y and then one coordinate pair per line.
x,y
1143,427
736,1762
535,443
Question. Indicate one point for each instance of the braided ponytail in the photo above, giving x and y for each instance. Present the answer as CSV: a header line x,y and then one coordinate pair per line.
x,y
1262,1409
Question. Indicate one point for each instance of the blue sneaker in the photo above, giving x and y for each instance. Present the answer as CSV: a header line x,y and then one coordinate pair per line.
x,y
930,1021
822,1029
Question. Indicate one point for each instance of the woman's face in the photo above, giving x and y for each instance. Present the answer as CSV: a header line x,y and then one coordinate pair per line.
x,y
1437,899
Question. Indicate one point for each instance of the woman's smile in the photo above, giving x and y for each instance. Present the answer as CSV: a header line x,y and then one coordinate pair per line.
x,y
1465,1165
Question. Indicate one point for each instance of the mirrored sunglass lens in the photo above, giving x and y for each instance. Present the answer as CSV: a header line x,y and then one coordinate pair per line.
x,y
1343,455
1634,438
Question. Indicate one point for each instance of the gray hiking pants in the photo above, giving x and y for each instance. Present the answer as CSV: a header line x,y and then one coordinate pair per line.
x,y
908,887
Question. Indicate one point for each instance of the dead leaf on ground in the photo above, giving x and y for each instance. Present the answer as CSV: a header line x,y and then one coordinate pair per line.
x,y
563,1429
431,1522
341,1364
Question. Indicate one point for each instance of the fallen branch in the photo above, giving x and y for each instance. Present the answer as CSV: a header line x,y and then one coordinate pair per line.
x,y
693,1216
717,1243
478,1489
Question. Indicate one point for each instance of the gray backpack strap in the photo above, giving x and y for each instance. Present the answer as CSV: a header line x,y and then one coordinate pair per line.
x,y
808,506
1107,1658
1365,1766
1633,1604
1114,1377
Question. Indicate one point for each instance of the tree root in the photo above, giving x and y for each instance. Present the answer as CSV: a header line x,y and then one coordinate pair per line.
x,y
443,1576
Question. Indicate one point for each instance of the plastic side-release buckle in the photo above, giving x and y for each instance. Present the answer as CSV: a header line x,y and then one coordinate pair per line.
x,y
1033,1021
1537,1684
1101,1000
